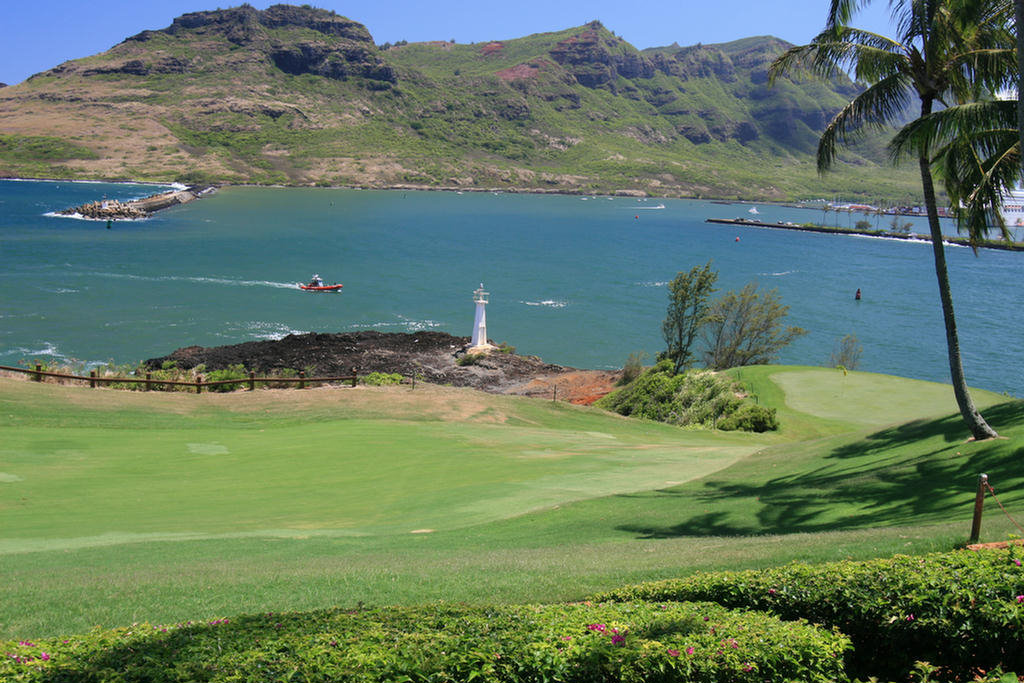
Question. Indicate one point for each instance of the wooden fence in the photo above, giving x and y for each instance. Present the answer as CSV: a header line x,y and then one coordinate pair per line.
x,y
94,380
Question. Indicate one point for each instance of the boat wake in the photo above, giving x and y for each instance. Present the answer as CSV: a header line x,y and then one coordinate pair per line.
x,y
198,280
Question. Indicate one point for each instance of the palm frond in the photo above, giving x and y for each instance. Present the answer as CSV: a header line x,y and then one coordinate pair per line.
x,y
976,153
878,107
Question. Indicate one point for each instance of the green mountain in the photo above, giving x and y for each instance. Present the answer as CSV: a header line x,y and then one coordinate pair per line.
x,y
297,95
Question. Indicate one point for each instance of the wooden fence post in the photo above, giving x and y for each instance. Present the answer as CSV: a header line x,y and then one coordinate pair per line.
x,y
302,379
39,372
979,502
353,376
149,380
252,381
199,384
92,379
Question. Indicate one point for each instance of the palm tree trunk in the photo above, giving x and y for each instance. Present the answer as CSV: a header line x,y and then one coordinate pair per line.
x,y
1019,12
975,422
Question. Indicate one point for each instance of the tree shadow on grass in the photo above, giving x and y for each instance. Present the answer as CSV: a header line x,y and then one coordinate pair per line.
x,y
881,480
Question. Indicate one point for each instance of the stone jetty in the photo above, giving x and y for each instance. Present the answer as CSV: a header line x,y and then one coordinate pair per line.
x,y
113,209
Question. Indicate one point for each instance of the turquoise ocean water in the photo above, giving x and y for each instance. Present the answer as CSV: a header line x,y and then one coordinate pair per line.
x,y
577,281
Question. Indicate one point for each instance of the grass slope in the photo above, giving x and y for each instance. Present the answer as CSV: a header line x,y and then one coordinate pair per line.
x,y
120,507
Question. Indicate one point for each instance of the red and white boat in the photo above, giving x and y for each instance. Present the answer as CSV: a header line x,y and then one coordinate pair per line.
x,y
318,285
321,288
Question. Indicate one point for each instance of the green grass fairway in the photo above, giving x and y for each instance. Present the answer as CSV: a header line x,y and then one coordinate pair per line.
x,y
118,507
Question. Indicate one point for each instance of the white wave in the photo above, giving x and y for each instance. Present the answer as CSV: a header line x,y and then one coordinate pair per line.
x,y
549,303
779,274
403,323
645,208
47,350
910,240
262,329
60,290
79,217
651,284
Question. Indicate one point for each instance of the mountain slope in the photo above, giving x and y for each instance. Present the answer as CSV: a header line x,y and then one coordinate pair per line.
x,y
303,96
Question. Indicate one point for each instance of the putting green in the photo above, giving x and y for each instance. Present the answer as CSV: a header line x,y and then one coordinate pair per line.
x,y
868,398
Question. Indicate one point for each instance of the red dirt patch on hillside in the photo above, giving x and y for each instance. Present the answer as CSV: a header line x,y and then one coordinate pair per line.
x,y
519,72
491,48
581,387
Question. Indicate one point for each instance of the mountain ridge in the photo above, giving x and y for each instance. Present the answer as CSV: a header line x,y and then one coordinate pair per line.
x,y
302,96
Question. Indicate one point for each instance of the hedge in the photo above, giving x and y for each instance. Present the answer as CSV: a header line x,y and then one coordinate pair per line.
x,y
962,611
571,643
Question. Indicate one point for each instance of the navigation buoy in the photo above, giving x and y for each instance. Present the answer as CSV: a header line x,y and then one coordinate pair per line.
x,y
637,217
737,239
108,223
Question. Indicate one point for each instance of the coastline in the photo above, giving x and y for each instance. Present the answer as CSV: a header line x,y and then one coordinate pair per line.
x,y
185,193
881,234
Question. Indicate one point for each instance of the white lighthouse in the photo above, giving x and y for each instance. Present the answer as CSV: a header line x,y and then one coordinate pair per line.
x,y
479,341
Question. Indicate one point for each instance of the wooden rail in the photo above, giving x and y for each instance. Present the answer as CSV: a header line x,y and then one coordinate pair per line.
x,y
95,379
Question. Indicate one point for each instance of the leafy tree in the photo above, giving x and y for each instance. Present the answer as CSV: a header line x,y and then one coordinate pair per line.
x,y
942,56
846,353
633,368
746,328
688,296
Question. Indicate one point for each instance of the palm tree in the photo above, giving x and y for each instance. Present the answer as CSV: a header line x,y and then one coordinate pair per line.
x,y
939,57
1018,23
976,152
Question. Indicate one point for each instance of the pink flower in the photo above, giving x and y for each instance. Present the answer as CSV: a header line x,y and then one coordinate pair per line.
x,y
1020,598
673,653
597,627
747,667
618,640
566,637
1016,561
910,617
771,591
45,657
689,650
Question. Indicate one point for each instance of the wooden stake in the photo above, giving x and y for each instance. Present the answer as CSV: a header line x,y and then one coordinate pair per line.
x,y
979,502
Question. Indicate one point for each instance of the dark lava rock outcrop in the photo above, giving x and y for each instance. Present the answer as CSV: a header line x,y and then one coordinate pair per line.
x,y
431,356
340,48
595,59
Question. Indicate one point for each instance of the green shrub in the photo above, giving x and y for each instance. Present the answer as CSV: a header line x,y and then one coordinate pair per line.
x,y
469,359
750,417
961,611
237,371
695,398
378,379
632,368
576,643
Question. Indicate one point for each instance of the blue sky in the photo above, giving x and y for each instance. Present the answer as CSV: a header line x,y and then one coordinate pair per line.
x,y
34,38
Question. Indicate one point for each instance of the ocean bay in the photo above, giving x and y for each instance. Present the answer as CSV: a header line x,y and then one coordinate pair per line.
x,y
577,281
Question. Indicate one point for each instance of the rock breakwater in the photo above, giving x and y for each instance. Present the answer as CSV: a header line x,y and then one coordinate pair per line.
x,y
113,209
